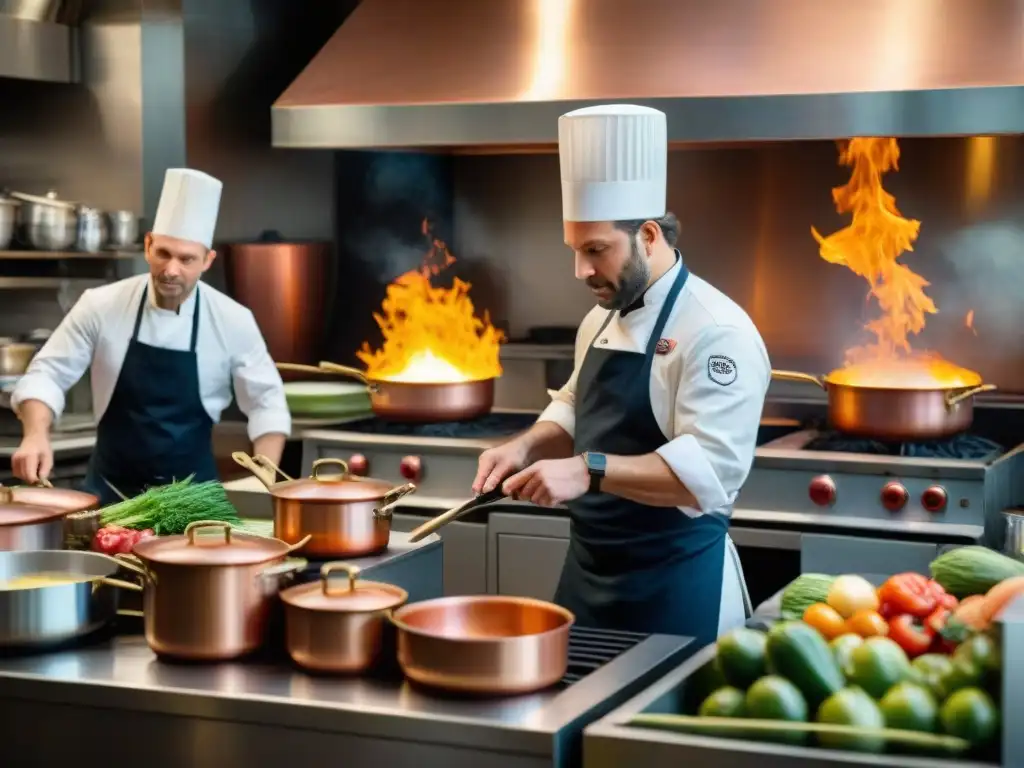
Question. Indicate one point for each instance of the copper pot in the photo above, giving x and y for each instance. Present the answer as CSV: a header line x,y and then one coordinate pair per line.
x,y
342,515
891,413
208,598
82,519
26,526
416,401
484,644
338,629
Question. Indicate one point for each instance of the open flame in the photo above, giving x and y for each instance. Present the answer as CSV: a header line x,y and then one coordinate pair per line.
x,y
871,246
432,334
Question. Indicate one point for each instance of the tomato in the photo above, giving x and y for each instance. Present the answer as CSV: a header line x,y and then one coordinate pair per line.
x,y
867,624
911,636
910,593
948,601
826,620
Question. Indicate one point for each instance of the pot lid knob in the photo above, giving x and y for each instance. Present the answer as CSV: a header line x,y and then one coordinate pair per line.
x,y
191,528
329,461
351,571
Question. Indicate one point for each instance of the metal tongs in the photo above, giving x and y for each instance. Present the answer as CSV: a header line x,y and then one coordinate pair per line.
x,y
452,515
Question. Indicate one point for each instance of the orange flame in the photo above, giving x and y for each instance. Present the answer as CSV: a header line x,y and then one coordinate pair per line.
x,y
432,334
871,246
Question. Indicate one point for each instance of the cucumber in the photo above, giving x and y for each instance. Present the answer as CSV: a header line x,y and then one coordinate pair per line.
x,y
743,727
741,656
973,570
797,652
803,592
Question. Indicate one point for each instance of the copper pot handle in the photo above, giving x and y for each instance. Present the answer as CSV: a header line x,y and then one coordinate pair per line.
x,y
391,498
270,466
345,370
315,473
952,399
43,483
298,368
117,584
262,474
327,569
191,528
132,564
806,378
6,494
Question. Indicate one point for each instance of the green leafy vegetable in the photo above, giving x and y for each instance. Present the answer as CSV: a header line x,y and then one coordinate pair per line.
x,y
168,509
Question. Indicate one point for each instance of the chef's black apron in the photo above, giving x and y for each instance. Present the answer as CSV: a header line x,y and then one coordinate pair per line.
x,y
631,566
155,428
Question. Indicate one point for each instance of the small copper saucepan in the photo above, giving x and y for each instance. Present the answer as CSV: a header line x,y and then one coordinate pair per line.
x,y
341,515
484,644
29,526
334,628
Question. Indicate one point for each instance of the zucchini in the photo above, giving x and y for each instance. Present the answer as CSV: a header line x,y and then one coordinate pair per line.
x,y
973,570
803,592
797,652
742,727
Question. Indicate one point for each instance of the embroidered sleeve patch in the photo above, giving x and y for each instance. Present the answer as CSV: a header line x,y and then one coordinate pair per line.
x,y
722,370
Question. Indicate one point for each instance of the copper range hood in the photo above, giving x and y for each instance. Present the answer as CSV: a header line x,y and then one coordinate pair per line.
x,y
478,74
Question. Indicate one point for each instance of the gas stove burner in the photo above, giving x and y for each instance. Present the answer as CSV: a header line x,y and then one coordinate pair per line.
x,y
965,447
591,649
489,426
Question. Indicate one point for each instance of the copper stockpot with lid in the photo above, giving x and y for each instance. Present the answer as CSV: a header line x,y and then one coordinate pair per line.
x,y
339,628
207,596
29,526
343,515
80,521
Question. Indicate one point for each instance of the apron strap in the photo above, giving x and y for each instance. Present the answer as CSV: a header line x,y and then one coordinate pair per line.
x,y
666,308
138,315
195,318
195,322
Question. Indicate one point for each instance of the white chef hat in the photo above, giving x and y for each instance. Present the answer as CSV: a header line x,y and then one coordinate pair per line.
x,y
614,161
188,206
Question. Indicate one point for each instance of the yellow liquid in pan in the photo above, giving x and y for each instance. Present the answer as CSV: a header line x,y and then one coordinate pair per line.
x,y
42,579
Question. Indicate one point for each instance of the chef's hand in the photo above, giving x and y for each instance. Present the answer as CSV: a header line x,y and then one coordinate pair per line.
x,y
33,460
551,482
498,463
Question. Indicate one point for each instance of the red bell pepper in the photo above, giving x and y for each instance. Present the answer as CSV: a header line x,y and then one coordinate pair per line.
x,y
910,635
910,593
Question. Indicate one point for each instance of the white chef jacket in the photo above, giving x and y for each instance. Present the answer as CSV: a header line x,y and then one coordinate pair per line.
x,y
96,332
709,409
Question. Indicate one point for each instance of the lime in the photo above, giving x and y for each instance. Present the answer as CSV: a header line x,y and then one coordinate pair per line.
x,y
851,706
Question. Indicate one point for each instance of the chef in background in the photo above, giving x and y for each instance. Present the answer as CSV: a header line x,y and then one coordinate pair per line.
x,y
651,439
164,353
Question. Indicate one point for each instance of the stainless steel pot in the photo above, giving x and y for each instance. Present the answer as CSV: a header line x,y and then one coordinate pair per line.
x,y
29,526
92,231
8,218
1014,546
31,10
52,614
15,356
207,598
46,223
124,229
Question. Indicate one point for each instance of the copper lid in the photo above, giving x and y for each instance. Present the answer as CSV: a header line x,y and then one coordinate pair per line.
x,y
19,513
227,547
342,487
65,499
353,597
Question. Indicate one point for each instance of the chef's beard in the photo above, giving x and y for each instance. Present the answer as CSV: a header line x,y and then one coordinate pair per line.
x,y
632,280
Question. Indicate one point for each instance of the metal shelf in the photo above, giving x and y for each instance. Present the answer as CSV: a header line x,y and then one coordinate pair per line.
x,y
70,255
42,283
38,50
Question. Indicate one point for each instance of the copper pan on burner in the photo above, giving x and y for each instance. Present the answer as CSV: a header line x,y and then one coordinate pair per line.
x,y
415,401
895,414
494,645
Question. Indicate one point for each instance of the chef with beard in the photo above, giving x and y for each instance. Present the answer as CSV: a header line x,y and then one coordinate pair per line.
x,y
651,439
165,354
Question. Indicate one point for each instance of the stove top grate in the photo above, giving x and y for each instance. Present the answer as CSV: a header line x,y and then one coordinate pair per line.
x,y
491,425
965,447
591,649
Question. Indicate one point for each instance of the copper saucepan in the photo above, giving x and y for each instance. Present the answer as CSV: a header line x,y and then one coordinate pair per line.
x,y
209,598
416,401
894,414
333,628
483,644
340,515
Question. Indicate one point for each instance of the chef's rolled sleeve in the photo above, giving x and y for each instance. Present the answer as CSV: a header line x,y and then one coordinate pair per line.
x,y
62,361
718,409
258,386
561,411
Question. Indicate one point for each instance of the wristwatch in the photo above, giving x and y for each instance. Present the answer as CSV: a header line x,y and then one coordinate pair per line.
x,y
596,465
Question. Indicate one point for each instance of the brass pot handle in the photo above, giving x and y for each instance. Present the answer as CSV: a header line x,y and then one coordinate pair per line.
x,y
391,498
270,466
958,397
345,370
42,482
327,569
191,528
298,368
806,378
118,584
261,473
324,462
6,494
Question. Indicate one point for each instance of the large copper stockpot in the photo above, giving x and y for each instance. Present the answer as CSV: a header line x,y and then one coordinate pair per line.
x,y
484,644
892,413
206,597
342,515
25,526
332,628
416,401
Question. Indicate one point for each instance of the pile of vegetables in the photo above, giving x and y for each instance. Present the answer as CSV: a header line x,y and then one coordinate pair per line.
x,y
162,510
907,667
